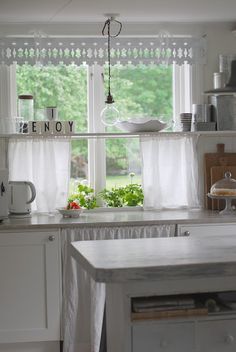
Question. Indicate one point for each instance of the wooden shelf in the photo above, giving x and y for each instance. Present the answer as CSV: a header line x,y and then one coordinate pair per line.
x,y
117,135
78,135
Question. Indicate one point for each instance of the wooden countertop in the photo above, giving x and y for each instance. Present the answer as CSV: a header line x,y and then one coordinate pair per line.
x,y
113,261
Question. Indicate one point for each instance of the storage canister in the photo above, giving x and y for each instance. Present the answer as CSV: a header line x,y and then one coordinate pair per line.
x,y
26,107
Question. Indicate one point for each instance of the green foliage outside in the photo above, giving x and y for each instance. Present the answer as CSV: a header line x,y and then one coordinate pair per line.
x,y
142,91
61,86
121,180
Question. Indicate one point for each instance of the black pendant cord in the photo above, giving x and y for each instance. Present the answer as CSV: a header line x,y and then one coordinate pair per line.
x,y
107,24
109,57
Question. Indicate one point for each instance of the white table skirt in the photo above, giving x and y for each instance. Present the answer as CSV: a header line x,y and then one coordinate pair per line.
x,y
83,299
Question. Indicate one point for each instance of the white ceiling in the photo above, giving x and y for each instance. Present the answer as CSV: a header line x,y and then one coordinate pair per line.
x,y
58,11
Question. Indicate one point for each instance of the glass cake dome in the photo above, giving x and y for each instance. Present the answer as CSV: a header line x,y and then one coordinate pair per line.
x,y
224,187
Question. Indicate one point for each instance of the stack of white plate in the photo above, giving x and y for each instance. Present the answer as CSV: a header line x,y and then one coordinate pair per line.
x,y
186,120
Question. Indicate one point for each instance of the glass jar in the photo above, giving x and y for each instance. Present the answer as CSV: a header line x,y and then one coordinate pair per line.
x,y
26,107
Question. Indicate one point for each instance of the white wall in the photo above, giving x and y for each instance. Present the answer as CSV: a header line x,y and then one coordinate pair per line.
x,y
220,40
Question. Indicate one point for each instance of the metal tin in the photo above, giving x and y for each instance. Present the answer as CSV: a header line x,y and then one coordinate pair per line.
x,y
218,80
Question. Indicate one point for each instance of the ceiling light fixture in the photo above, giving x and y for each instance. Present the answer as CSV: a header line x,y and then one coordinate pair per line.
x,y
110,115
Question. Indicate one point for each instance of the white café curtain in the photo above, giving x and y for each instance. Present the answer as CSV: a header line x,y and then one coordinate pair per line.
x,y
170,171
83,298
46,163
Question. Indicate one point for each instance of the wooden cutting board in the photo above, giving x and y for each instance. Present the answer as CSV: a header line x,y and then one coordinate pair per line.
x,y
220,158
217,173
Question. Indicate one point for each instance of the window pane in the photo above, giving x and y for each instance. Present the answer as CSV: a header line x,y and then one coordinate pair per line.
x,y
142,91
79,163
66,88
62,86
122,158
138,91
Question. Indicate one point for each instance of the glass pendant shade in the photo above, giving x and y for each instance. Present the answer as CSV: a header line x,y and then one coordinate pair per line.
x,y
109,115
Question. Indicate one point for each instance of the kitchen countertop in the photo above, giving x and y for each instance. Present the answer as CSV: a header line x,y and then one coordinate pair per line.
x,y
118,218
157,258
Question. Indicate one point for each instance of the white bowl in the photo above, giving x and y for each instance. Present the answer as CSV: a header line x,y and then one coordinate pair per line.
x,y
70,213
141,124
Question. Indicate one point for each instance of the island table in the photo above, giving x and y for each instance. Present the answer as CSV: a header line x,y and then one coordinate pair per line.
x,y
163,267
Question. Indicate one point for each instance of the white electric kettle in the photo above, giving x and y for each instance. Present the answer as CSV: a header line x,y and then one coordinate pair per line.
x,y
21,195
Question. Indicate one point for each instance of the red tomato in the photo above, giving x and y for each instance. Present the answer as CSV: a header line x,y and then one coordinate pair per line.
x,y
74,205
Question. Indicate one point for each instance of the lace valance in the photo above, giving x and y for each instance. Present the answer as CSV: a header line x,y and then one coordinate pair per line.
x,y
124,50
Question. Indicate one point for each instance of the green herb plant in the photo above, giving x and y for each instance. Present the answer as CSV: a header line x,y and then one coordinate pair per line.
x,y
129,195
85,197
113,197
133,195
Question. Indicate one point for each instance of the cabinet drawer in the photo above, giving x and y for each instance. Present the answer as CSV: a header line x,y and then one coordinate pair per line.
x,y
216,336
206,229
178,337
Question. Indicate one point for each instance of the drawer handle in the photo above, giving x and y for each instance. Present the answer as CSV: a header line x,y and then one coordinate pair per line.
x,y
186,233
51,238
229,339
163,344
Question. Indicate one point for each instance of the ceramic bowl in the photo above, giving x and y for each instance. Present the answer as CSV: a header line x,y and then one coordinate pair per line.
x,y
142,124
70,213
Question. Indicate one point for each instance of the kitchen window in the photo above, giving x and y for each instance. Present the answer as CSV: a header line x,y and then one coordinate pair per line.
x,y
77,91
73,77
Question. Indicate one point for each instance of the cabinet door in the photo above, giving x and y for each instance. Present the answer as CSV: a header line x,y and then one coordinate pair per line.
x,y
173,337
29,286
194,230
216,336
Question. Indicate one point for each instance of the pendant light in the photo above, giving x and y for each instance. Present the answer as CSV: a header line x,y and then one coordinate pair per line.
x,y
110,115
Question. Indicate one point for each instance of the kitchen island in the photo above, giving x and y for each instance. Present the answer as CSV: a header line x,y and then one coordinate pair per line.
x,y
163,267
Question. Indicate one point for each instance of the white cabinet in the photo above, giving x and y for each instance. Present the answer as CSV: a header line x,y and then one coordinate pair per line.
x,y
172,337
206,229
196,336
216,336
30,292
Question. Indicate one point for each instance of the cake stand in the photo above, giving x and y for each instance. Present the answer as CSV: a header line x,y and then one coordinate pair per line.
x,y
228,210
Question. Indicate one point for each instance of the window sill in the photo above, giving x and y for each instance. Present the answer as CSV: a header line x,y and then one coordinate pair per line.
x,y
112,209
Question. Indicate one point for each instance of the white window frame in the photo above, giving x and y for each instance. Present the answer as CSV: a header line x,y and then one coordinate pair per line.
x,y
96,146
187,88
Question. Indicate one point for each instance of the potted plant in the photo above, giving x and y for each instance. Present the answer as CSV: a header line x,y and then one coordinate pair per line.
x,y
113,197
129,195
84,196
133,195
